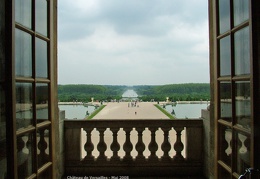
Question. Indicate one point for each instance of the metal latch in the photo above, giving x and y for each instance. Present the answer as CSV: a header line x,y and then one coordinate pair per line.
x,y
250,173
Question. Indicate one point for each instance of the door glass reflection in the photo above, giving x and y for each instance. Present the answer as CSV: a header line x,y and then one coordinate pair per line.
x,y
42,102
225,56
23,12
241,11
243,152
243,104
224,16
225,145
41,59
24,112
43,143
225,101
242,53
23,54
223,174
41,17
25,153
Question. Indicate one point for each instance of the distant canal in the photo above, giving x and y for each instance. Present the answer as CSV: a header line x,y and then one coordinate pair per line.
x,y
130,94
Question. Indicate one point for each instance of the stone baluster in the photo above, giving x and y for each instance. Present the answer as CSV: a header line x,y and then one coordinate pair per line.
x,y
153,146
101,145
166,146
20,144
115,147
42,145
128,146
140,147
89,147
178,146
22,163
247,144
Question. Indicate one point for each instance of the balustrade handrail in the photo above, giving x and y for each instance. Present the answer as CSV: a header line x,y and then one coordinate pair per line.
x,y
73,123
153,165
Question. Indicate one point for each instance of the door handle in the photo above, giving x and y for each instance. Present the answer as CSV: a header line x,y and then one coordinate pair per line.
x,y
251,173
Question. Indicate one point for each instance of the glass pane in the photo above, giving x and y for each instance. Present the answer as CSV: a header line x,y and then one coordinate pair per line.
x,y
225,144
43,150
41,17
23,12
225,101
24,112
223,174
224,16
41,59
23,54
243,104
225,56
42,98
242,52
243,153
25,155
46,174
241,12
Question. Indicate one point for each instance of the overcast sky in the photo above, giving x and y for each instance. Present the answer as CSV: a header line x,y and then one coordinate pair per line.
x,y
133,42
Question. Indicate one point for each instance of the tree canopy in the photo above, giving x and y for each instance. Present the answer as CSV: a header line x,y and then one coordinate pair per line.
x,y
84,93
175,92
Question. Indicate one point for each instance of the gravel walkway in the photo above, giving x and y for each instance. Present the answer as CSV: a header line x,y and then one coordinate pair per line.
x,y
127,110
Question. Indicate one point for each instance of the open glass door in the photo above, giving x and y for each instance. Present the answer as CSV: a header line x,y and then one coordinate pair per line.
x,y
31,87
234,87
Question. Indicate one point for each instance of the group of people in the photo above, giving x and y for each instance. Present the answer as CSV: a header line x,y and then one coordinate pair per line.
x,y
133,104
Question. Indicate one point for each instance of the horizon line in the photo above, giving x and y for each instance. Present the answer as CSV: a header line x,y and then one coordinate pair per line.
x,y
135,84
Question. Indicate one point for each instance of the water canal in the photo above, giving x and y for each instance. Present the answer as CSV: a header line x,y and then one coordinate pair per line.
x,y
180,110
130,94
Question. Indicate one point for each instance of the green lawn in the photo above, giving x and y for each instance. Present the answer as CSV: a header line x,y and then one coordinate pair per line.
x,y
95,112
164,111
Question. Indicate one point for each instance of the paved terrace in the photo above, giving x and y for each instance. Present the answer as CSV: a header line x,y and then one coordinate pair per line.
x,y
125,110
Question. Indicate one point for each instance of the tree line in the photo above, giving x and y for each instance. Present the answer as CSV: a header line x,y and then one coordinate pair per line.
x,y
175,92
84,93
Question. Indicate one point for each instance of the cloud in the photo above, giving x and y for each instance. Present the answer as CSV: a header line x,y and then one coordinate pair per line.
x,y
133,41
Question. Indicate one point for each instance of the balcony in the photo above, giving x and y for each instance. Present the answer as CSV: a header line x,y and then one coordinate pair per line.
x,y
134,148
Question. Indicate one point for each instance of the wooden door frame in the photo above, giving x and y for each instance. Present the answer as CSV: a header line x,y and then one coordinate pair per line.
x,y
10,88
255,79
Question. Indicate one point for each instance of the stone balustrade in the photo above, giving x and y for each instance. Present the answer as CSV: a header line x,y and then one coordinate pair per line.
x,y
133,147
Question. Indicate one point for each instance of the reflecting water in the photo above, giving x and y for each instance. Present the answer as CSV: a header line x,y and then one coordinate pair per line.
x,y
186,110
130,94
76,111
